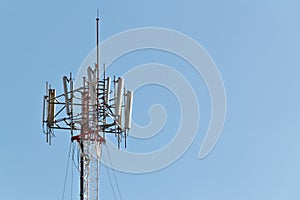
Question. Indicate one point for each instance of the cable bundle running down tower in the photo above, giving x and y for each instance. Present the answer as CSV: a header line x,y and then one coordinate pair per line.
x,y
102,110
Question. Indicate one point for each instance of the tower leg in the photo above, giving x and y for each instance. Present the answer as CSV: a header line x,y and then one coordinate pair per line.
x,y
81,172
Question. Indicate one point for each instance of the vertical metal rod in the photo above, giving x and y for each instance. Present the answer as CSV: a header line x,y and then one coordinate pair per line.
x,y
81,171
98,78
71,88
125,139
104,72
97,61
82,136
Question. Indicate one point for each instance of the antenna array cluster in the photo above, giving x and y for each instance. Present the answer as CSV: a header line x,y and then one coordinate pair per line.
x,y
104,109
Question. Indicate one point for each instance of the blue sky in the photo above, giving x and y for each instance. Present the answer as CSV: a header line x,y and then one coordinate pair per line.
x,y
255,45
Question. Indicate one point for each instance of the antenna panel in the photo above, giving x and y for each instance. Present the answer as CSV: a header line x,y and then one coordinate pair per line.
x,y
51,107
65,80
119,97
107,92
91,80
128,109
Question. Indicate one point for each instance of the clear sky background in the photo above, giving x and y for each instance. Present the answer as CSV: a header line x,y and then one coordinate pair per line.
x,y
255,45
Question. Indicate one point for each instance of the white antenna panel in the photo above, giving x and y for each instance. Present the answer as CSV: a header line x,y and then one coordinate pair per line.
x,y
91,80
65,80
119,96
128,109
107,93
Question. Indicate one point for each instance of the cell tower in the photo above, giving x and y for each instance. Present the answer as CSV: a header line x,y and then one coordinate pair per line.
x,y
103,110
